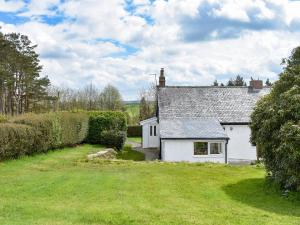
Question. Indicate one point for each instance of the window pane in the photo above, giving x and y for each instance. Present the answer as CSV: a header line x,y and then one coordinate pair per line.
x,y
154,130
200,148
150,130
215,148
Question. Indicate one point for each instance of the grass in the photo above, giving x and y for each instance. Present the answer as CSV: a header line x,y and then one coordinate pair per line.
x,y
128,154
134,139
133,110
61,188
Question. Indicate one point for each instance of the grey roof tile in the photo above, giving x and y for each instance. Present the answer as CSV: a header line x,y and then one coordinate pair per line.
x,y
227,104
191,128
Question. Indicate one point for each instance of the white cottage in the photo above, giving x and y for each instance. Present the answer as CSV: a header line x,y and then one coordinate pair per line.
x,y
203,123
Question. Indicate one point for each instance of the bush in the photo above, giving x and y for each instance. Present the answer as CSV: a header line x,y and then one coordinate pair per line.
x,y
275,126
47,128
134,131
15,140
74,127
113,138
3,119
56,130
100,121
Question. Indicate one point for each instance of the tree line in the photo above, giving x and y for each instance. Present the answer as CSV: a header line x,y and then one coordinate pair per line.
x,y
21,87
87,98
238,81
23,90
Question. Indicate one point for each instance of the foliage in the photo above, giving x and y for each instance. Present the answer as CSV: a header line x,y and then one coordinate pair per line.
x,y
133,113
21,87
113,138
100,121
88,98
128,153
55,130
3,119
134,131
15,140
110,192
276,126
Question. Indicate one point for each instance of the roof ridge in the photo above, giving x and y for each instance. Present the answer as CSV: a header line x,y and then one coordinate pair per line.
x,y
209,86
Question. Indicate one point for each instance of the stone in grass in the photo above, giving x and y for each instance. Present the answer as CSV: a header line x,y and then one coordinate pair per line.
x,y
108,153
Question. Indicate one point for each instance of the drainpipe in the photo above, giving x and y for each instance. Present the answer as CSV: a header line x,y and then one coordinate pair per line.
x,y
226,151
159,148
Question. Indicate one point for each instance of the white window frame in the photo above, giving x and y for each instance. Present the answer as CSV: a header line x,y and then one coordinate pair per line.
x,y
208,149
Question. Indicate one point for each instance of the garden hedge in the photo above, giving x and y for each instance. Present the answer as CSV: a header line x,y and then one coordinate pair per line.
x,y
134,131
104,121
113,138
55,130
15,140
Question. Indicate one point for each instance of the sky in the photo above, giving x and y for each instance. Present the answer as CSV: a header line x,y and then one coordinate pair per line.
x,y
123,42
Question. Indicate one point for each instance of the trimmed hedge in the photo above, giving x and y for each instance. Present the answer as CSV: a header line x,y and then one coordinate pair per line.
x,y
55,130
113,138
104,121
134,131
15,140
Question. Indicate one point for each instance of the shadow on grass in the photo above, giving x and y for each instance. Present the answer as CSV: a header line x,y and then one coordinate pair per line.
x,y
259,194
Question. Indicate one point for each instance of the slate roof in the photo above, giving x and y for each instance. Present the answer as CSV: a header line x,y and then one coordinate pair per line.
x,y
191,128
226,104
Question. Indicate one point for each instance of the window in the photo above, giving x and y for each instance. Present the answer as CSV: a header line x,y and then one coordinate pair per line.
x,y
207,148
215,148
154,130
150,130
200,148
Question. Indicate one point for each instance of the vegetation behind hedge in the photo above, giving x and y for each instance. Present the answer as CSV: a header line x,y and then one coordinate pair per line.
x,y
134,131
102,121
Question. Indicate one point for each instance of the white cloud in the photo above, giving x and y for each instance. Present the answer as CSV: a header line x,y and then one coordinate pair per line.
x,y
90,45
11,6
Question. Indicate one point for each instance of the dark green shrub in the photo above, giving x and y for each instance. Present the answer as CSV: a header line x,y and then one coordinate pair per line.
x,y
113,138
16,140
100,121
275,126
134,131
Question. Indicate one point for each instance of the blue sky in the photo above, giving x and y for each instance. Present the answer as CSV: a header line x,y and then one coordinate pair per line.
x,y
122,42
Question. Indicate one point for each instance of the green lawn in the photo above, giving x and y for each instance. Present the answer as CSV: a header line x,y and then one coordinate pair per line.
x,y
135,139
63,188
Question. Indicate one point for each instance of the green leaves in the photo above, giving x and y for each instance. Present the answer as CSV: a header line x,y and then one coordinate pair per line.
x,y
275,126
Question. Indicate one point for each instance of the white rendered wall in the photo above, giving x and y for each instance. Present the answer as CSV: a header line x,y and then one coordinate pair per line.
x,y
239,146
183,150
150,141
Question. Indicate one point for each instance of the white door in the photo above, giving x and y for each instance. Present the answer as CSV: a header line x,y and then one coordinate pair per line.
x,y
153,136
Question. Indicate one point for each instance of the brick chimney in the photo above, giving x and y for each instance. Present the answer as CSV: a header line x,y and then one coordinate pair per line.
x,y
162,79
256,84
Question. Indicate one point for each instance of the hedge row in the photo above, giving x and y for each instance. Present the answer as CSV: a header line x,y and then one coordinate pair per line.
x,y
15,140
134,131
104,121
34,133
